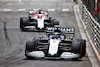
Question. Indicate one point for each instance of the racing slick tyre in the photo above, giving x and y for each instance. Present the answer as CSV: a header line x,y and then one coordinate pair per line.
x,y
29,18
83,46
23,22
30,46
52,20
55,22
77,49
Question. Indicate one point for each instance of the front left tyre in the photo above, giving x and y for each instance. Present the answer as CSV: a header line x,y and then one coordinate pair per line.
x,y
23,22
30,46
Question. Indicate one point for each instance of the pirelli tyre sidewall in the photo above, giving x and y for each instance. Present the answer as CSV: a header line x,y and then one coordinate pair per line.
x,y
30,46
76,48
83,46
23,22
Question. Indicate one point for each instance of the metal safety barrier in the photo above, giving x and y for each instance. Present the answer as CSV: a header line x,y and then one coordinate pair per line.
x,y
91,24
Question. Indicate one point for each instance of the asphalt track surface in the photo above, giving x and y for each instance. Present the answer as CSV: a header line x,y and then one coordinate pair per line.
x,y
13,40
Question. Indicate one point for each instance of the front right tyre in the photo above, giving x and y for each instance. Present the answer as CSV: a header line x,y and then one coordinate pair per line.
x,y
77,49
83,46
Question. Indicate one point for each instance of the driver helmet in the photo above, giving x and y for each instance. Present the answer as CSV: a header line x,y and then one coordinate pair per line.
x,y
57,28
62,37
50,37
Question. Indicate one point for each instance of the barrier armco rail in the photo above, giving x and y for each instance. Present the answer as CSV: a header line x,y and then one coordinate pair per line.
x,y
92,26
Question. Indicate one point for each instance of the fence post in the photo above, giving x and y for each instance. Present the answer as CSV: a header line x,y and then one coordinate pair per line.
x,y
98,11
92,7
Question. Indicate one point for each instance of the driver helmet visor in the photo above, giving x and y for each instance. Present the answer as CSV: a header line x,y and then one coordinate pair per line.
x,y
50,37
62,37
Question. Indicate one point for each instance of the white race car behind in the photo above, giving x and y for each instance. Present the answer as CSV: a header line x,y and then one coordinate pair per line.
x,y
37,20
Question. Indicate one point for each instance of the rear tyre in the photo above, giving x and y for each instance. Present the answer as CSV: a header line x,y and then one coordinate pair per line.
x,y
77,49
30,46
52,20
83,46
29,18
55,22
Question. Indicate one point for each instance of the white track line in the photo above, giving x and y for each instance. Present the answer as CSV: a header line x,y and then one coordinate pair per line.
x,y
65,10
14,46
20,3
7,9
12,27
51,9
19,0
9,3
21,9
37,9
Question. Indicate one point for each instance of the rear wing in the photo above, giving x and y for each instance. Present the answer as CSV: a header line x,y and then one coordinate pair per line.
x,y
33,12
63,30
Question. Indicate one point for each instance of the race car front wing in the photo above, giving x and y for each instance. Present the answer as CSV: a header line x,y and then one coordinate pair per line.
x,y
64,55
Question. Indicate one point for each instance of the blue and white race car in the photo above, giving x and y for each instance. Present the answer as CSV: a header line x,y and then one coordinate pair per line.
x,y
58,45
37,20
